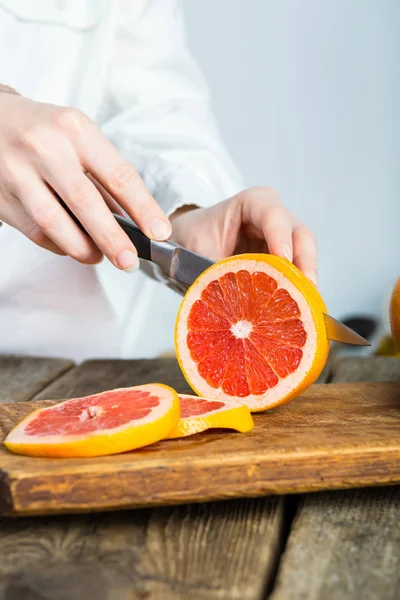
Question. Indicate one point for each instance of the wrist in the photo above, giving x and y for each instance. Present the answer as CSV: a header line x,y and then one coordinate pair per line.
x,y
182,210
178,220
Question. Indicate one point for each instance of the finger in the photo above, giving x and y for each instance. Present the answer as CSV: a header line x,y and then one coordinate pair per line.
x,y
124,184
305,252
108,199
53,221
277,230
14,214
84,200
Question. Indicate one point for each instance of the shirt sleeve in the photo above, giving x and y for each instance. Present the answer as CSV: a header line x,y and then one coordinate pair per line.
x,y
156,109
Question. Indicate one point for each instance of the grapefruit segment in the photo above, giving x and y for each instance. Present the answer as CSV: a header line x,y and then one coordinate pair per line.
x,y
260,375
283,359
263,288
203,343
251,329
214,298
234,381
213,366
231,295
281,306
244,286
107,423
203,317
199,414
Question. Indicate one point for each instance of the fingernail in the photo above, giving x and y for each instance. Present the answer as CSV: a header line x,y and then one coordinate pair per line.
x,y
134,268
160,229
287,252
128,261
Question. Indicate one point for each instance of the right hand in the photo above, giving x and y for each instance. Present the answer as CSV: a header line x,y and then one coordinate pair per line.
x,y
46,149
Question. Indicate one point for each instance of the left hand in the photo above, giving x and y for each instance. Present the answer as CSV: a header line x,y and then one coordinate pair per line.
x,y
252,221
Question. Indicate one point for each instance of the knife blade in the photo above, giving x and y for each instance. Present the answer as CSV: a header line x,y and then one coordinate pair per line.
x,y
338,332
177,262
184,267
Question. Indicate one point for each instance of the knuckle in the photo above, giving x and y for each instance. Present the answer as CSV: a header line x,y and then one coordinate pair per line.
x,y
80,194
9,170
123,175
273,193
306,234
37,236
85,256
277,213
293,217
111,240
69,120
45,219
266,192
29,139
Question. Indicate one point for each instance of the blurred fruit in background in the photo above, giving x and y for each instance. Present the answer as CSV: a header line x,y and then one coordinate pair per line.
x,y
394,311
389,344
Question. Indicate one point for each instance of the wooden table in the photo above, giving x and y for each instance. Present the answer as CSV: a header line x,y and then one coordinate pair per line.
x,y
328,546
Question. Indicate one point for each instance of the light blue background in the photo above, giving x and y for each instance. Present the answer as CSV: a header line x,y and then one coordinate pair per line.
x,y
307,94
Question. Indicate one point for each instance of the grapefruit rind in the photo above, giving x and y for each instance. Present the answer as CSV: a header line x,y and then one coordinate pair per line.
x,y
231,416
312,307
136,434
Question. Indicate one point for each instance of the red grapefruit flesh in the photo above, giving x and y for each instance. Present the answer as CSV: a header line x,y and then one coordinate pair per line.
x,y
107,423
251,329
199,414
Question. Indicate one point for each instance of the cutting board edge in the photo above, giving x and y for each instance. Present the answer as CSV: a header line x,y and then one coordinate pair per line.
x,y
6,499
171,462
32,495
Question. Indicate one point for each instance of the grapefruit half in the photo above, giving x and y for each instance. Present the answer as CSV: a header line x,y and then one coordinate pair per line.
x,y
251,329
199,414
107,423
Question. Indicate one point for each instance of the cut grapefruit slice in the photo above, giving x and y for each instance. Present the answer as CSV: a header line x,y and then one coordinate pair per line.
x,y
106,423
251,329
199,414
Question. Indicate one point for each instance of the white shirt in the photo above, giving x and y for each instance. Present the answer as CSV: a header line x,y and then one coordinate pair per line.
x,y
124,63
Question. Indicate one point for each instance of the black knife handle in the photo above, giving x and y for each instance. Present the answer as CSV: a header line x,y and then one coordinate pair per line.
x,y
141,242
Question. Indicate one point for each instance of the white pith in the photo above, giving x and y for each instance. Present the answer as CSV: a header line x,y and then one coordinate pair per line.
x,y
285,385
242,329
91,412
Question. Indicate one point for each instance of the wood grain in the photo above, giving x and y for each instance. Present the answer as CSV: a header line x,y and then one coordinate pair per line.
x,y
98,375
21,377
343,545
329,367
346,544
375,368
220,550
223,551
334,436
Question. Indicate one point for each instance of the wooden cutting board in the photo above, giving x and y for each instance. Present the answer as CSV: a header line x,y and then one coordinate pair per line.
x,y
334,436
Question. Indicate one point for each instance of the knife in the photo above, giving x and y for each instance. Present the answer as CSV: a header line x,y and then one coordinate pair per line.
x,y
184,267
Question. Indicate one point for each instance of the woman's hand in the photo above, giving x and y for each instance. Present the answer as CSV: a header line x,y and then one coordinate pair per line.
x,y
252,221
45,148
